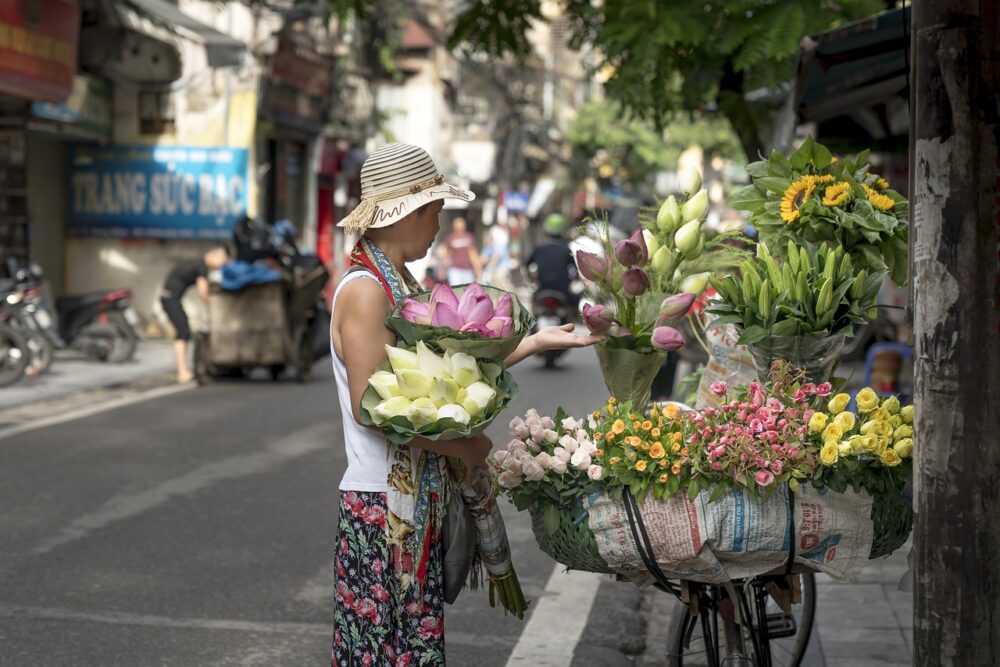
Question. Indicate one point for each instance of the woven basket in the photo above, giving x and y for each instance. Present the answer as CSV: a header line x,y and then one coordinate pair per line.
x,y
563,533
892,516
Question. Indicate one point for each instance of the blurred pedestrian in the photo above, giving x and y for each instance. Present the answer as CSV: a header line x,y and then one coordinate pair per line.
x,y
551,263
186,273
464,263
496,258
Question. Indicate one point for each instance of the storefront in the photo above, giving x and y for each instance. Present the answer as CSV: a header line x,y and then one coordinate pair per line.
x,y
38,51
295,104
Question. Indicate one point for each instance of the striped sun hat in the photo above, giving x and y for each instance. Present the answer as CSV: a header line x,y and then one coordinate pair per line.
x,y
396,180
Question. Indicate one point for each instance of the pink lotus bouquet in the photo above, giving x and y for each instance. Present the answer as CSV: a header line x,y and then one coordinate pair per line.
x,y
474,311
758,439
483,321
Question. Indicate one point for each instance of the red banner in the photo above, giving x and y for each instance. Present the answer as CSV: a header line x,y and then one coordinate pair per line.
x,y
38,45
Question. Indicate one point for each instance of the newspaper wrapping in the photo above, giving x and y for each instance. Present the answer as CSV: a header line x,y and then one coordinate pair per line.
x,y
737,537
727,361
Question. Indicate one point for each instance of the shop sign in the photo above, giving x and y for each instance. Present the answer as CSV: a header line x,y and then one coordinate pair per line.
x,y
296,65
164,192
38,44
515,201
88,107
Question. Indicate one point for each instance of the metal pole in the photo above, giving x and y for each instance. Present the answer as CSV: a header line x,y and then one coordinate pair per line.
x,y
955,244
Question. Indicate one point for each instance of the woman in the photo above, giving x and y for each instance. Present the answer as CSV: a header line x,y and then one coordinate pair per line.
x,y
388,607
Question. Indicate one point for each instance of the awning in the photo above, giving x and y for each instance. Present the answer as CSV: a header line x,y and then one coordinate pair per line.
x,y
858,65
221,49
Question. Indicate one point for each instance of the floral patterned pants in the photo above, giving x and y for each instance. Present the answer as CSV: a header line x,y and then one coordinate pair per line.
x,y
375,623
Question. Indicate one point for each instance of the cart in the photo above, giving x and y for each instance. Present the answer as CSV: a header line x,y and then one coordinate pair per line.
x,y
261,326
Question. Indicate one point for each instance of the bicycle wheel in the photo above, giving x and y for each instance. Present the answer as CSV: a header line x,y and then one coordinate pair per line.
x,y
687,646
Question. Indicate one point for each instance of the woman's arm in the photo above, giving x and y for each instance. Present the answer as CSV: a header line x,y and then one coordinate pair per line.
x,y
201,284
360,337
550,338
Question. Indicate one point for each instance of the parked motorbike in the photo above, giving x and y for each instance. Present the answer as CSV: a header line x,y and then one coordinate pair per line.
x,y
100,324
23,318
14,353
551,309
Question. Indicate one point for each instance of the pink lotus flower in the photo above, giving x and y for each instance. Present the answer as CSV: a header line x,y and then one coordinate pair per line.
x,y
499,327
415,311
598,318
592,267
667,338
631,252
676,306
447,316
635,282
504,307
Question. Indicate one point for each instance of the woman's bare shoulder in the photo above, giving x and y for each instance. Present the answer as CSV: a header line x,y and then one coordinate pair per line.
x,y
362,296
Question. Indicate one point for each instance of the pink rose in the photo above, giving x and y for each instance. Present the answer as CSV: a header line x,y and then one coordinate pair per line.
x,y
718,388
824,389
774,405
777,467
595,472
809,388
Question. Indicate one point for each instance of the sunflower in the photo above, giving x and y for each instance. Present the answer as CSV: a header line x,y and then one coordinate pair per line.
x,y
817,179
881,183
878,200
796,195
836,194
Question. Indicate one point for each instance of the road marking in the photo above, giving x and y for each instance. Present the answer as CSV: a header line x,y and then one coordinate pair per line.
x,y
154,621
557,622
91,410
125,506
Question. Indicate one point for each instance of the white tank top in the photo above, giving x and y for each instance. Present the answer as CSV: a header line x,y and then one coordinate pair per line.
x,y
367,452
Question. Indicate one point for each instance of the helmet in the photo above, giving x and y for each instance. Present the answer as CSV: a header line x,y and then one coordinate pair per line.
x,y
554,224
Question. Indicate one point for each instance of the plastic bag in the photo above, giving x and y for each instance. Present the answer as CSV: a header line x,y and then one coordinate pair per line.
x,y
816,355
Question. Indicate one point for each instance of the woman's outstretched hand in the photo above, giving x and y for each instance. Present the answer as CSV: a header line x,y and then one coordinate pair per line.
x,y
551,338
562,338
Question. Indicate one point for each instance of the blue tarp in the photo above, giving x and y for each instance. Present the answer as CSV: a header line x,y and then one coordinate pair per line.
x,y
237,275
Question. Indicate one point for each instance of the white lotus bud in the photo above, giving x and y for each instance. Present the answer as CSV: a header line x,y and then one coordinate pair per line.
x,y
422,412
400,358
696,208
478,397
464,369
444,391
456,412
430,363
397,406
669,215
689,180
414,383
385,384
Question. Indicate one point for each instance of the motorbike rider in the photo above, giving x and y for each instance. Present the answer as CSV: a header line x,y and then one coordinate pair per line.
x,y
186,273
551,263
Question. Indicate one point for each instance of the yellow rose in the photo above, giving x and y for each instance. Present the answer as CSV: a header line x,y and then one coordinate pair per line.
x,y
867,400
895,421
838,403
878,428
657,451
890,458
845,448
907,414
818,422
863,444
832,432
829,454
881,415
845,421
891,404
883,444
903,431
640,465
904,447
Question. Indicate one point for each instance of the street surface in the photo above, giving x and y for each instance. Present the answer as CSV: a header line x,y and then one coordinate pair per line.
x,y
197,528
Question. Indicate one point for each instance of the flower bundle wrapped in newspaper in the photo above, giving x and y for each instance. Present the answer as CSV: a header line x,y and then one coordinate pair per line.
x,y
439,397
484,322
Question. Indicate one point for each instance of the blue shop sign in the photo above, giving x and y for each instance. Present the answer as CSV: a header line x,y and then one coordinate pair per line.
x,y
515,201
163,192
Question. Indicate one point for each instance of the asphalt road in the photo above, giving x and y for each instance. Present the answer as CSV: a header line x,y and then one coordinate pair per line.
x,y
197,529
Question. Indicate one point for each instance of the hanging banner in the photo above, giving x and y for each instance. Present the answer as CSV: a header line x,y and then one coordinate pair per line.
x,y
163,192
38,45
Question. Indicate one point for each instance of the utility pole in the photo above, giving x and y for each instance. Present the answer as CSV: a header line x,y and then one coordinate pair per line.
x,y
955,246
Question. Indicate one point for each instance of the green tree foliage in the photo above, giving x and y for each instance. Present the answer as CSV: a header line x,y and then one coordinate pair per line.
x,y
633,147
672,55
